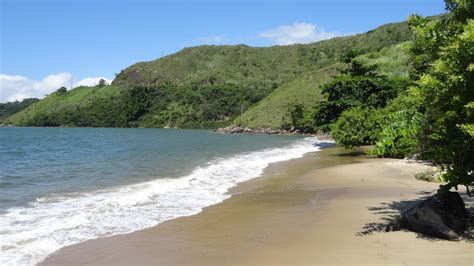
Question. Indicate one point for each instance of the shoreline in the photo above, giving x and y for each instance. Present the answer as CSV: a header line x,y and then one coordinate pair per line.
x,y
326,207
233,129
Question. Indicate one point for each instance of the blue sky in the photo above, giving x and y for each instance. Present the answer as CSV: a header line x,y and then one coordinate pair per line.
x,y
90,39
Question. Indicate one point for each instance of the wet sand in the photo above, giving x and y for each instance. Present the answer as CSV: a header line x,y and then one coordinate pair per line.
x,y
326,208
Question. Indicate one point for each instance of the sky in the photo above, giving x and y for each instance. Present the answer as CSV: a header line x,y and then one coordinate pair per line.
x,y
46,44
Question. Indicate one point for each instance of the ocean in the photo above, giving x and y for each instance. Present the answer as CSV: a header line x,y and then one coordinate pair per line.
x,y
61,186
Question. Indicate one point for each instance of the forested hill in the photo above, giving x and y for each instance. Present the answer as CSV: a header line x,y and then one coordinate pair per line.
x,y
211,86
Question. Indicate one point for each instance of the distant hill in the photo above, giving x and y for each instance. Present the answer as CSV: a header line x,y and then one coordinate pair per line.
x,y
210,86
9,108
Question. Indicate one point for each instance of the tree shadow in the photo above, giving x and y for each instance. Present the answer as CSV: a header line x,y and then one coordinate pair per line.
x,y
351,154
390,213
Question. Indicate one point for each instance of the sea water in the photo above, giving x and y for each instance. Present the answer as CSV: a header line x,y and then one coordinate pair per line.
x,y
61,186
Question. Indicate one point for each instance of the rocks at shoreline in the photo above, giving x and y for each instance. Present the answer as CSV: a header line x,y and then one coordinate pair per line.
x,y
233,129
6,125
442,215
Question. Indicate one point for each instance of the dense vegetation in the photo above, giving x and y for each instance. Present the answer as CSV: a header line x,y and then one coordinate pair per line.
x,y
443,72
211,86
358,85
430,114
9,108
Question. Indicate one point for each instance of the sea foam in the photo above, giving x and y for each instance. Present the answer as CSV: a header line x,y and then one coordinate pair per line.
x,y
29,234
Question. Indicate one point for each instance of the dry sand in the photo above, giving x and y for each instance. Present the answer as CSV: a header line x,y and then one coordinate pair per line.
x,y
320,209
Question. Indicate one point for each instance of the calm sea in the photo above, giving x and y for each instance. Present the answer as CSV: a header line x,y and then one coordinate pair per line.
x,y
60,186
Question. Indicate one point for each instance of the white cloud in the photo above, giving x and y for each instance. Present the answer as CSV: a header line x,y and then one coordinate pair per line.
x,y
91,81
15,87
299,32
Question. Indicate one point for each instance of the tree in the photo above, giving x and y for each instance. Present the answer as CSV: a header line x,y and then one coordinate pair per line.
x,y
443,60
301,118
102,83
358,85
61,90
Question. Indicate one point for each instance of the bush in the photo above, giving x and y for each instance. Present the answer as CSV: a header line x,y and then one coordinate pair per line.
x,y
357,126
398,139
302,118
401,123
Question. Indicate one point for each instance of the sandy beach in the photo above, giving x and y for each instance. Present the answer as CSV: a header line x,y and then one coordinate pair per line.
x,y
328,207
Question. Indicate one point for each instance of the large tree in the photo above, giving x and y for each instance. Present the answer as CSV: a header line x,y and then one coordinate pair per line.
x,y
443,69
358,85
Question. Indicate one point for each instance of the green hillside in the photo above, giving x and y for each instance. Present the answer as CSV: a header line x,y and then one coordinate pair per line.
x,y
259,65
273,111
392,60
66,108
211,86
9,108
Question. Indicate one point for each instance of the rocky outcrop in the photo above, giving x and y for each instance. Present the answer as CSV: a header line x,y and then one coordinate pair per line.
x,y
443,215
6,125
233,129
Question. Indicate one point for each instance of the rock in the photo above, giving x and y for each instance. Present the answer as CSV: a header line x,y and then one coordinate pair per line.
x,y
233,129
442,215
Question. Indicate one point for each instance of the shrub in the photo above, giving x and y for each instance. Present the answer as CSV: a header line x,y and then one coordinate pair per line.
x,y
398,139
357,126
302,118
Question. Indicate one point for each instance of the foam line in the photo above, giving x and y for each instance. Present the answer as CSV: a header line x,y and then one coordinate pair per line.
x,y
29,234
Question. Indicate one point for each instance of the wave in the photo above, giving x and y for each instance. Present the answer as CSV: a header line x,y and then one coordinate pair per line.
x,y
29,234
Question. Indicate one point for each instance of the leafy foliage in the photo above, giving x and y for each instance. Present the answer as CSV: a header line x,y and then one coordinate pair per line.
x,y
397,139
401,126
443,54
358,85
357,126
301,118
199,105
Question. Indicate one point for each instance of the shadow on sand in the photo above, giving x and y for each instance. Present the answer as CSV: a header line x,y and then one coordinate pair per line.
x,y
390,213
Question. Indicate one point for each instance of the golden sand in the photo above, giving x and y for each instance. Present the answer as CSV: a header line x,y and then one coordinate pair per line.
x,y
320,209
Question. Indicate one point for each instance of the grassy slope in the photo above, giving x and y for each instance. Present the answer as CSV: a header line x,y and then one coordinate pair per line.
x,y
294,72
392,60
244,64
273,111
80,96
